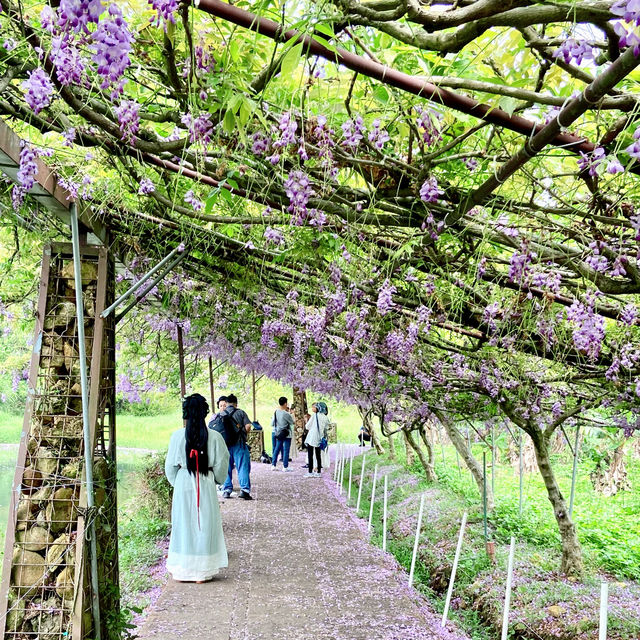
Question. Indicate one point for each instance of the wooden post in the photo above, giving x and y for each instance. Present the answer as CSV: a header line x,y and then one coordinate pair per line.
x,y
453,571
183,383
364,462
211,387
507,595
373,497
416,541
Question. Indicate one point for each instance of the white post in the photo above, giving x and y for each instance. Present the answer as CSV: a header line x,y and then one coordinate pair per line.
x,y
453,571
507,595
336,464
384,516
342,465
604,606
350,477
373,496
364,462
417,540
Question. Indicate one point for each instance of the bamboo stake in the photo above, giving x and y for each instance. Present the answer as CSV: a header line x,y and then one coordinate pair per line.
x,y
456,558
364,462
507,595
416,541
373,496
384,516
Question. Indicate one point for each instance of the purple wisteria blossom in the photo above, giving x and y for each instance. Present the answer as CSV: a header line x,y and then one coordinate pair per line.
x,y
614,166
629,314
69,64
273,236
200,127
190,198
166,11
428,122
429,191
588,332
385,302
377,136
259,144
591,161
26,175
519,264
146,187
353,132
111,45
573,51
128,120
39,90
77,15
298,189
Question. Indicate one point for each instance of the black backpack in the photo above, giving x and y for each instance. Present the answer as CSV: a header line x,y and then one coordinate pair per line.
x,y
227,427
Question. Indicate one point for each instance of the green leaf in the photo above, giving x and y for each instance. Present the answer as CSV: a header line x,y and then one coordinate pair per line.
x,y
381,94
229,122
290,60
226,194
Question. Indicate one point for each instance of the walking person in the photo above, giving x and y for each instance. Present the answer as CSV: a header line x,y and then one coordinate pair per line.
x,y
196,461
222,405
282,431
239,455
318,426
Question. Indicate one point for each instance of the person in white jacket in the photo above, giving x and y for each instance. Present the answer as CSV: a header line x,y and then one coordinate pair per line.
x,y
317,426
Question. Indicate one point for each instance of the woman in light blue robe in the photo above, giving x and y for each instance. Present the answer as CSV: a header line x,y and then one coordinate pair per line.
x,y
196,549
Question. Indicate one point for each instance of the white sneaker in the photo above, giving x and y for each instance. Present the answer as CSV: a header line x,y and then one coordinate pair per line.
x,y
287,470
309,475
273,467
317,474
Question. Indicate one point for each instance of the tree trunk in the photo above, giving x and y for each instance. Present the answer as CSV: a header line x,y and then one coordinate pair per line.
x,y
460,443
299,409
571,551
430,469
424,460
392,448
368,423
409,449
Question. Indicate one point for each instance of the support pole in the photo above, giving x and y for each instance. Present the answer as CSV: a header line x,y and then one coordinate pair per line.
x,y
384,516
183,382
493,461
575,471
342,466
456,558
484,494
521,471
507,595
253,388
350,477
373,497
416,541
364,462
86,427
211,387
336,462
604,606
134,287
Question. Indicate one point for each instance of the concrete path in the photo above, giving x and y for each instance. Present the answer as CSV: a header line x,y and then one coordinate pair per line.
x,y
300,568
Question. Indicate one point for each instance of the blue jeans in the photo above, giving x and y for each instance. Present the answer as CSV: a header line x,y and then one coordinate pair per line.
x,y
281,447
240,458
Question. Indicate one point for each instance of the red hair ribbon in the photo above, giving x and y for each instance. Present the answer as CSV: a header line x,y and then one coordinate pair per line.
x,y
195,451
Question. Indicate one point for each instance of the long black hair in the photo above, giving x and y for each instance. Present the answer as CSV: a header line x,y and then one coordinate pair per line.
x,y
194,411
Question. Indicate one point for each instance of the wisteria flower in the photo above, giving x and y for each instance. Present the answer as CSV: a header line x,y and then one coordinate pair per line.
x,y
429,191
39,90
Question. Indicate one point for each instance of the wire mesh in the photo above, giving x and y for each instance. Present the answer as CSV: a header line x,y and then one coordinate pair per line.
x,y
48,588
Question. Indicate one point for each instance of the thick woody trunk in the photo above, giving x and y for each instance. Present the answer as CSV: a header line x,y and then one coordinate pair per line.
x,y
424,460
460,443
368,423
299,409
392,447
430,469
409,449
571,550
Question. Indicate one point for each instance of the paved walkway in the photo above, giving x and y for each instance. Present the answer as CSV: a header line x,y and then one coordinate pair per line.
x,y
300,568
